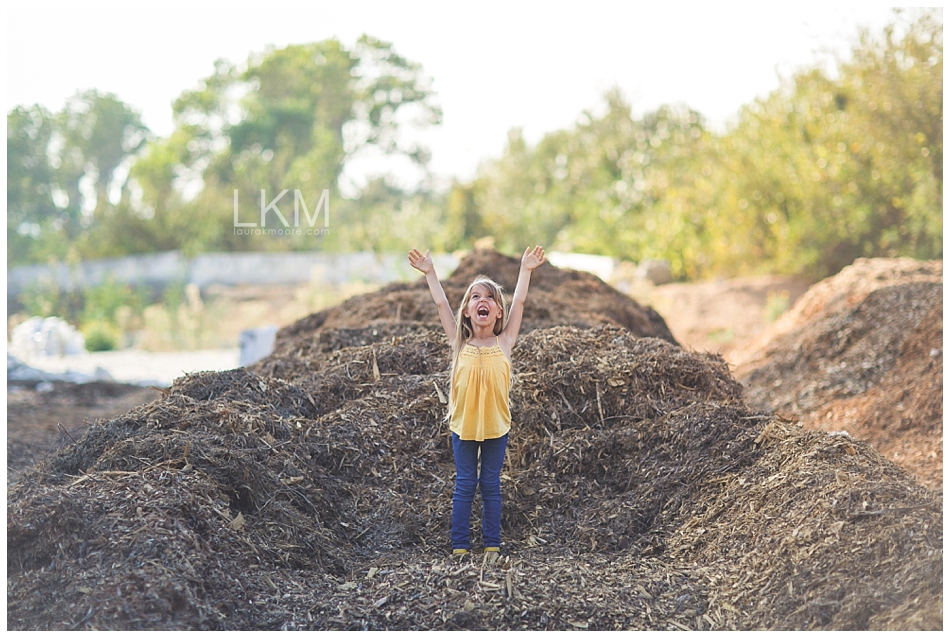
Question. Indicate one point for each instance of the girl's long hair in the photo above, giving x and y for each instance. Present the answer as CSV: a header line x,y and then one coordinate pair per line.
x,y
463,324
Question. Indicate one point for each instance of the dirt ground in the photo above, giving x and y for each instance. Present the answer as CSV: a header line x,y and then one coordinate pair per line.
x,y
720,316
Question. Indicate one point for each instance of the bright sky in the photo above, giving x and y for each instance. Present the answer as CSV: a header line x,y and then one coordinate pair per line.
x,y
494,65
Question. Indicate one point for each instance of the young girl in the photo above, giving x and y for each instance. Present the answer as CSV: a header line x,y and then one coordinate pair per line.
x,y
482,334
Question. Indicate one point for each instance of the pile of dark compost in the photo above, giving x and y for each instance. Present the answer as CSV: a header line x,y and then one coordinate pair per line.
x,y
861,352
640,491
557,297
44,417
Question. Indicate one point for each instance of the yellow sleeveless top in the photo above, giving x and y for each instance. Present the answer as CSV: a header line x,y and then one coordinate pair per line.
x,y
480,393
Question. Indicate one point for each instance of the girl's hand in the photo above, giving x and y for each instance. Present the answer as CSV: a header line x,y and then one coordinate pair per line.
x,y
422,263
532,258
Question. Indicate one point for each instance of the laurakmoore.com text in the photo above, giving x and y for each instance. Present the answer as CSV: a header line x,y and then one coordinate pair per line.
x,y
253,228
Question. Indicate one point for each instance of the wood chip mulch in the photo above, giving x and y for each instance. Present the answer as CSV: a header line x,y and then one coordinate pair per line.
x,y
862,352
313,491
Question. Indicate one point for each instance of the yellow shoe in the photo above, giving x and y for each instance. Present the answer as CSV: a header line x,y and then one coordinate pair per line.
x,y
459,552
492,549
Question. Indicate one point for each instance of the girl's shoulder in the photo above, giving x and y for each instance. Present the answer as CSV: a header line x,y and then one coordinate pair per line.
x,y
506,342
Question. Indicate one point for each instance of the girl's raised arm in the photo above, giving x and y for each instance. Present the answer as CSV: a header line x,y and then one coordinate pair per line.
x,y
423,263
529,261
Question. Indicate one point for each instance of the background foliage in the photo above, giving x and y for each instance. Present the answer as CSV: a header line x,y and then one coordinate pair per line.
x,y
834,165
826,169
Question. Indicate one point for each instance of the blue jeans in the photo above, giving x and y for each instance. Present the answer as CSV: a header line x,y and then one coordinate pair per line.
x,y
467,477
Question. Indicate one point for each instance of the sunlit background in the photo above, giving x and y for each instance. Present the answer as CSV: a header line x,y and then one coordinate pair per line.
x,y
493,66
720,140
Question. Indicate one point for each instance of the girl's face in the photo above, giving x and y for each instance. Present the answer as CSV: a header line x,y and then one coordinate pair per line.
x,y
482,307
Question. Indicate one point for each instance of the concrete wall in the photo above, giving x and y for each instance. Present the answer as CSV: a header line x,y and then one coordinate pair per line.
x,y
232,269
229,269
154,270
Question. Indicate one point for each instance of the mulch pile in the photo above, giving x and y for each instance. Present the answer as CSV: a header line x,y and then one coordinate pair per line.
x,y
42,420
641,492
557,297
861,352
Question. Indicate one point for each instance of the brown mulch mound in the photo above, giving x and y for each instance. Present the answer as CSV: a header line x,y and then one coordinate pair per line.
x,y
239,501
314,492
39,421
557,297
861,352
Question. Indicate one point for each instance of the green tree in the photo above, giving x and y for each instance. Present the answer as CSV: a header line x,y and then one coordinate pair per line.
x,y
388,218
464,221
156,217
613,185
895,84
31,213
67,170
292,119
92,179
824,171
100,132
